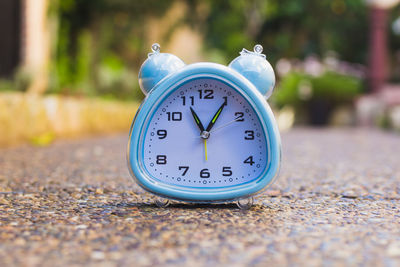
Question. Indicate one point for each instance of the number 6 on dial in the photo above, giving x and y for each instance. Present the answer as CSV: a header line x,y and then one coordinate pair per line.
x,y
205,132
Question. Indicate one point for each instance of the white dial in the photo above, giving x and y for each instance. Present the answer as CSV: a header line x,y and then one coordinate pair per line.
x,y
204,134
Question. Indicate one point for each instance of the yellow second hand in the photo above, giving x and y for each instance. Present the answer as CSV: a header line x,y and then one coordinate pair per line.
x,y
205,148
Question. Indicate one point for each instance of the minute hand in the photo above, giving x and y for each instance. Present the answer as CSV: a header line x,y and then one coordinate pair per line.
x,y
215,117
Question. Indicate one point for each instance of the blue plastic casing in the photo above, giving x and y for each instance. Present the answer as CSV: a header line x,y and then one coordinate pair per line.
x,y
156,67
165,87
257,70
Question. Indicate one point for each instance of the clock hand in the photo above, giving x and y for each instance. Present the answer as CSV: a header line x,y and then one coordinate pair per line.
x,y
224,125
197,120
203,134
216,115
220,127
205,149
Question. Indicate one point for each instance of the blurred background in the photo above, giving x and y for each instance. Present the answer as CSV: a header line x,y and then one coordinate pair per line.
x,y
69,67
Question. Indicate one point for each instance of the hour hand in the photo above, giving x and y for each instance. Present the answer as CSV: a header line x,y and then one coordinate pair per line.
x,y
197,120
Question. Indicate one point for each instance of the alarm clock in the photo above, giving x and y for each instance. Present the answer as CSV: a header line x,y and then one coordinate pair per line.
x,y
205,132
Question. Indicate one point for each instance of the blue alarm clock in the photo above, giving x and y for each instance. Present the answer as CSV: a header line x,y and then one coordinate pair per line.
x,y
205,132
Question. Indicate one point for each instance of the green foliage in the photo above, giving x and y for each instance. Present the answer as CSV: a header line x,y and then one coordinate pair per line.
x,y
20,82
99,46
299,89
6,85
338,87
315,97
286,28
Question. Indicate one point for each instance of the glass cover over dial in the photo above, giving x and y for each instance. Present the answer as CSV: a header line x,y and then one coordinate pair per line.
x,y
204,134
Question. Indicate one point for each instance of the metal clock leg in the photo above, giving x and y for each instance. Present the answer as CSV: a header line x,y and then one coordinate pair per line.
x,y
162,202
246,203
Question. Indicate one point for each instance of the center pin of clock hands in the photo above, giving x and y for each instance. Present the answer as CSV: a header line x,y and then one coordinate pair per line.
x,y
205,134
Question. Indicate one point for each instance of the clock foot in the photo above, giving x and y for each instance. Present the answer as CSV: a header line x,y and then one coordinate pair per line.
x,y
162,202
245,203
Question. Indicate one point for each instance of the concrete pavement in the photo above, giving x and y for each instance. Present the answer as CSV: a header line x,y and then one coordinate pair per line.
x,y
336,202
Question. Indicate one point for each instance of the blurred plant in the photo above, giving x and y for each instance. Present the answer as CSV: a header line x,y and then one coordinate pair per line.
x,y
6,85
297,88
99,45
20,81
316,90
43,139
286,28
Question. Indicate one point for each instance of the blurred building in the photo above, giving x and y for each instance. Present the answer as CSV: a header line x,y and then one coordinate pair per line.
x,y
378,61
25,40
10,36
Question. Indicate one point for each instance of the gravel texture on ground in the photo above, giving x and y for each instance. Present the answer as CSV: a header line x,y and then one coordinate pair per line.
x,y
336,202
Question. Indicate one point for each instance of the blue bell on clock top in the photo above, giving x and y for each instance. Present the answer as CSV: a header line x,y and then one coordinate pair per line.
x,y
255,67
156,67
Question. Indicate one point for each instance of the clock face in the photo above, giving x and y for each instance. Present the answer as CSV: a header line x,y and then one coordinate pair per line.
x,y
204,134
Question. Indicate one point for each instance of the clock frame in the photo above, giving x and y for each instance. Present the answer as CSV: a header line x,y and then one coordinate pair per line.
x,y
169,83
